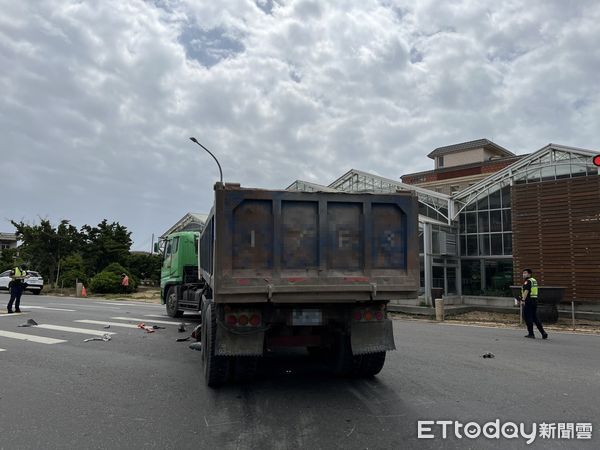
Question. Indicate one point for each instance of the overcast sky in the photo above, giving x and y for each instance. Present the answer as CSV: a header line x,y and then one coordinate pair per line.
x,y
98,98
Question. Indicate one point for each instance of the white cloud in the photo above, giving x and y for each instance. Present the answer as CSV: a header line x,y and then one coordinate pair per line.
x,y
99,98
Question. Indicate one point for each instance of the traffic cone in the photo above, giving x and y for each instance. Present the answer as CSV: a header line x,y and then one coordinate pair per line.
x,y
83,292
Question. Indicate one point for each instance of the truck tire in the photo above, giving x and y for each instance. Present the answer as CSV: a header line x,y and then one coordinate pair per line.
x,y
172,303
343,359
370,364
350,365
216,368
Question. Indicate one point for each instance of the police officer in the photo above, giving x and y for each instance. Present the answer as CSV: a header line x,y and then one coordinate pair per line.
x,y
529,294
17,285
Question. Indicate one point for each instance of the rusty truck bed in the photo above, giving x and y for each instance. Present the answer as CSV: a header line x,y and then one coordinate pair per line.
x,y
314,247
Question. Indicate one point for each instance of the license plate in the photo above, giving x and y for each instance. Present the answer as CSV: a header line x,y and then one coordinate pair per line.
x,y
307,317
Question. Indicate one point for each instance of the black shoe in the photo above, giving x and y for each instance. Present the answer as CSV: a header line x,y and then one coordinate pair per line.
x,y
530,336
545,336
17,310
9,311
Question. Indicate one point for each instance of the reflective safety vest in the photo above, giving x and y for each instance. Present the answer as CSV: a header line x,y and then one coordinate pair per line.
x,y
534,288
18,273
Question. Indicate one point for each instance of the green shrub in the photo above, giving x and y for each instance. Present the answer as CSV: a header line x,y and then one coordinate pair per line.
x,y
115,270
106,283
69,278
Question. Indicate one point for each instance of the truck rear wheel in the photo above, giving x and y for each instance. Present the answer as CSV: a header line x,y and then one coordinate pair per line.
x,y
370,364
365,365
172,303
216,368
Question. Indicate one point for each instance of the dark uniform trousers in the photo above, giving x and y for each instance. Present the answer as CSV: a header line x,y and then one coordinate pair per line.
x,y
530,316
16,290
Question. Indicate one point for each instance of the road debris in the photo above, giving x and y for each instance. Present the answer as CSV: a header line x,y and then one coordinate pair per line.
x,y
145,328
488,355
196,346
29,323
156,327
105,337
107,326
182,339
197,333
181,328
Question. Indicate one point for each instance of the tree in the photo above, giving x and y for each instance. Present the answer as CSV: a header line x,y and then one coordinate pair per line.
x,y
72,270
144,265
9,259
104,244
43,246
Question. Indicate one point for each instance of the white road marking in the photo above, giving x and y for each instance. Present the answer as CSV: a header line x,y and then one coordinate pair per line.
x,y
2,350
72,329
45,307
30,337
112,324
146,321
151,305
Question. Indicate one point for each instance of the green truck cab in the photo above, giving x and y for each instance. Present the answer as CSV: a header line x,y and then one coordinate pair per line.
x,y
179,273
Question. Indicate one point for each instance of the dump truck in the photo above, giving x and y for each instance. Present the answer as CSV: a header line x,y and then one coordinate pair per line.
x,y
282,269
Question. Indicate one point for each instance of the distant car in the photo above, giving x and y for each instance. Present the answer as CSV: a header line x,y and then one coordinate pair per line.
x,y
34,283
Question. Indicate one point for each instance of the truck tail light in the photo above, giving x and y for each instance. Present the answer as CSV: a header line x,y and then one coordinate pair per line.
x,y
255,320
369,313
242,317
231,319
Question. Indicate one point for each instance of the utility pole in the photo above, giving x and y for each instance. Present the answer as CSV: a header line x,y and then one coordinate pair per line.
x,y
152,245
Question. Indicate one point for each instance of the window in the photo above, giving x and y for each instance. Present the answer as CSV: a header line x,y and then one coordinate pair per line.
x,y
440,161
495,199
484,221
168,249
484,244
496,220
506,220
472,245
496,246
507,243
471,222
175,245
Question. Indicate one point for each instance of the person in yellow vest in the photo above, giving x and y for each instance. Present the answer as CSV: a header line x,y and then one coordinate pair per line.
x,y
529,294
16,285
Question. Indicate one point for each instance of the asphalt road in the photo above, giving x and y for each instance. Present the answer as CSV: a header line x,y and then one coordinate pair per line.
x,y
145,390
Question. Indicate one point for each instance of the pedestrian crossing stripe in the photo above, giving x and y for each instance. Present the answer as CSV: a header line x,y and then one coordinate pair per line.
x,y
30,337
112,324
72,329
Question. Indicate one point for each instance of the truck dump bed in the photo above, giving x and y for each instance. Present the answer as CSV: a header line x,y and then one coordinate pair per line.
x,y
313,247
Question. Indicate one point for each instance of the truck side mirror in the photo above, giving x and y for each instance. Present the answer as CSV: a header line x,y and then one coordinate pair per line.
x,y
156,248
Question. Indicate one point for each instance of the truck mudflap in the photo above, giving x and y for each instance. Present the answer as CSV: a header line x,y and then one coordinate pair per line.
x,y
372,337
229,343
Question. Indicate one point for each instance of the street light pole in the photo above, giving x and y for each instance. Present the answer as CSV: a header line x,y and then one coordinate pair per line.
x,y
193,139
